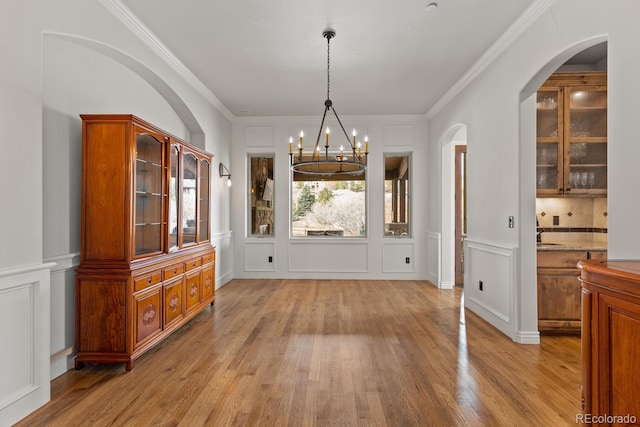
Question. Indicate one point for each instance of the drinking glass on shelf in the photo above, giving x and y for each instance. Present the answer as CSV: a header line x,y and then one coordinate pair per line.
x,y
573,180
542,180
592,179
584,178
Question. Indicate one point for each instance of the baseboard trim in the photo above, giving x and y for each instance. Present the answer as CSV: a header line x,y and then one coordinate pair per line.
x,y
527,337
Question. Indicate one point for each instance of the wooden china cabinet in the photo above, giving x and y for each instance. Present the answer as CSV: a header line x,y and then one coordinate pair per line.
x,y
610,342
147,265
571,135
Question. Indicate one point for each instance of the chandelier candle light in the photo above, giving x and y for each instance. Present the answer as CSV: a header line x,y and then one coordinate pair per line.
x,y
316,163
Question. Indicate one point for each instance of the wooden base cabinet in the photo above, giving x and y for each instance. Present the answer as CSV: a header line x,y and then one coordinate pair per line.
x,y
146,265
559,309
610,342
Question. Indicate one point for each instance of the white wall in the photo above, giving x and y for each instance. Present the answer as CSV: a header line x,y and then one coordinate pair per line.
x,y
74,57
373,257
77,80
500,178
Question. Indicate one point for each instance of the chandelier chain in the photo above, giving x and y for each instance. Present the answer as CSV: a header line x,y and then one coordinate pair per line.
x,y
328,64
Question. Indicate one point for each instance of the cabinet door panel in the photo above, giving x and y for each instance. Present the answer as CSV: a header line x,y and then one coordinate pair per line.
x,y
173,307
572,116
148,184
619,382
104,205
189,198
148,314
193,290
586,140
559,296
203,203
549,137
208,283
174,196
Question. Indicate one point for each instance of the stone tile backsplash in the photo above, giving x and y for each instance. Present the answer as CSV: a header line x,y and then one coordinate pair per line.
x,y
572,212
581,221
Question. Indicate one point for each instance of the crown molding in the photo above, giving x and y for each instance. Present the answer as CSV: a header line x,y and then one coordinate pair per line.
x,y
508,37
140,30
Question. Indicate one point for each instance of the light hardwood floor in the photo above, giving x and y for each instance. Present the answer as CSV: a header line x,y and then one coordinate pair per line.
x,y
334,352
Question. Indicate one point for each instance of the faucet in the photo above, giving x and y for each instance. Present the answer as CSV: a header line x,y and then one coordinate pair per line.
x,y
541,230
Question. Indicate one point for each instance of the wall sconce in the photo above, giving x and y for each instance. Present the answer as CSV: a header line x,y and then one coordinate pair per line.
x,y
225,172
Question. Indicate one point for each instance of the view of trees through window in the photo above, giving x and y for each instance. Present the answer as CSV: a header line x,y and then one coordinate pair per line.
x,y
329,208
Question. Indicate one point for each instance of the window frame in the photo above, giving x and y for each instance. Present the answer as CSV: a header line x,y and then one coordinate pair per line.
x,y
292,182
251,191
408,195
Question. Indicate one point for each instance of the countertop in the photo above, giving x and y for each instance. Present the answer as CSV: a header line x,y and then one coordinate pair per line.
x,y
572,246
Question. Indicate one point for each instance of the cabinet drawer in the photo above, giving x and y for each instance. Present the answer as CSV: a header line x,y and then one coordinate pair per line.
x,y
560,259
173,271
207,281
173,307
148,314
193,290
208,258
142,282
194,263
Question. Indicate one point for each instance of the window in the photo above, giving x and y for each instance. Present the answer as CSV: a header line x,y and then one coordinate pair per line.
x,y
261,195
334,206
396,195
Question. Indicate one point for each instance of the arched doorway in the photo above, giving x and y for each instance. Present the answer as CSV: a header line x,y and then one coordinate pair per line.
x,y
527,284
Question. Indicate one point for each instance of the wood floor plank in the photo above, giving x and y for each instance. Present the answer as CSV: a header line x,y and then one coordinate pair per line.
x,y
329,352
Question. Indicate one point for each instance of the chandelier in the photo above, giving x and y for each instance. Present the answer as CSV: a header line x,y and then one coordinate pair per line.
x,y
352,161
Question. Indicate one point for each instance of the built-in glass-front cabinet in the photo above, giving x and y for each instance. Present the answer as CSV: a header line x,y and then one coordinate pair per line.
x,y
572,135
146,262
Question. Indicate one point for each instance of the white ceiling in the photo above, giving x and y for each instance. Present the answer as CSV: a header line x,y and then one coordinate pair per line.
x,y
268,58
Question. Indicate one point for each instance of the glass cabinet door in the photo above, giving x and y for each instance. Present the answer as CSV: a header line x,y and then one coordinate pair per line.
x,y
174,196
586,161
549,142
189,198
203,216
148,201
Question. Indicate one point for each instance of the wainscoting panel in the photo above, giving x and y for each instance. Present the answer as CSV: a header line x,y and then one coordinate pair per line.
x,y
63,309
24,359
224,257
434,260
328,256
395,254
259,255
495,266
